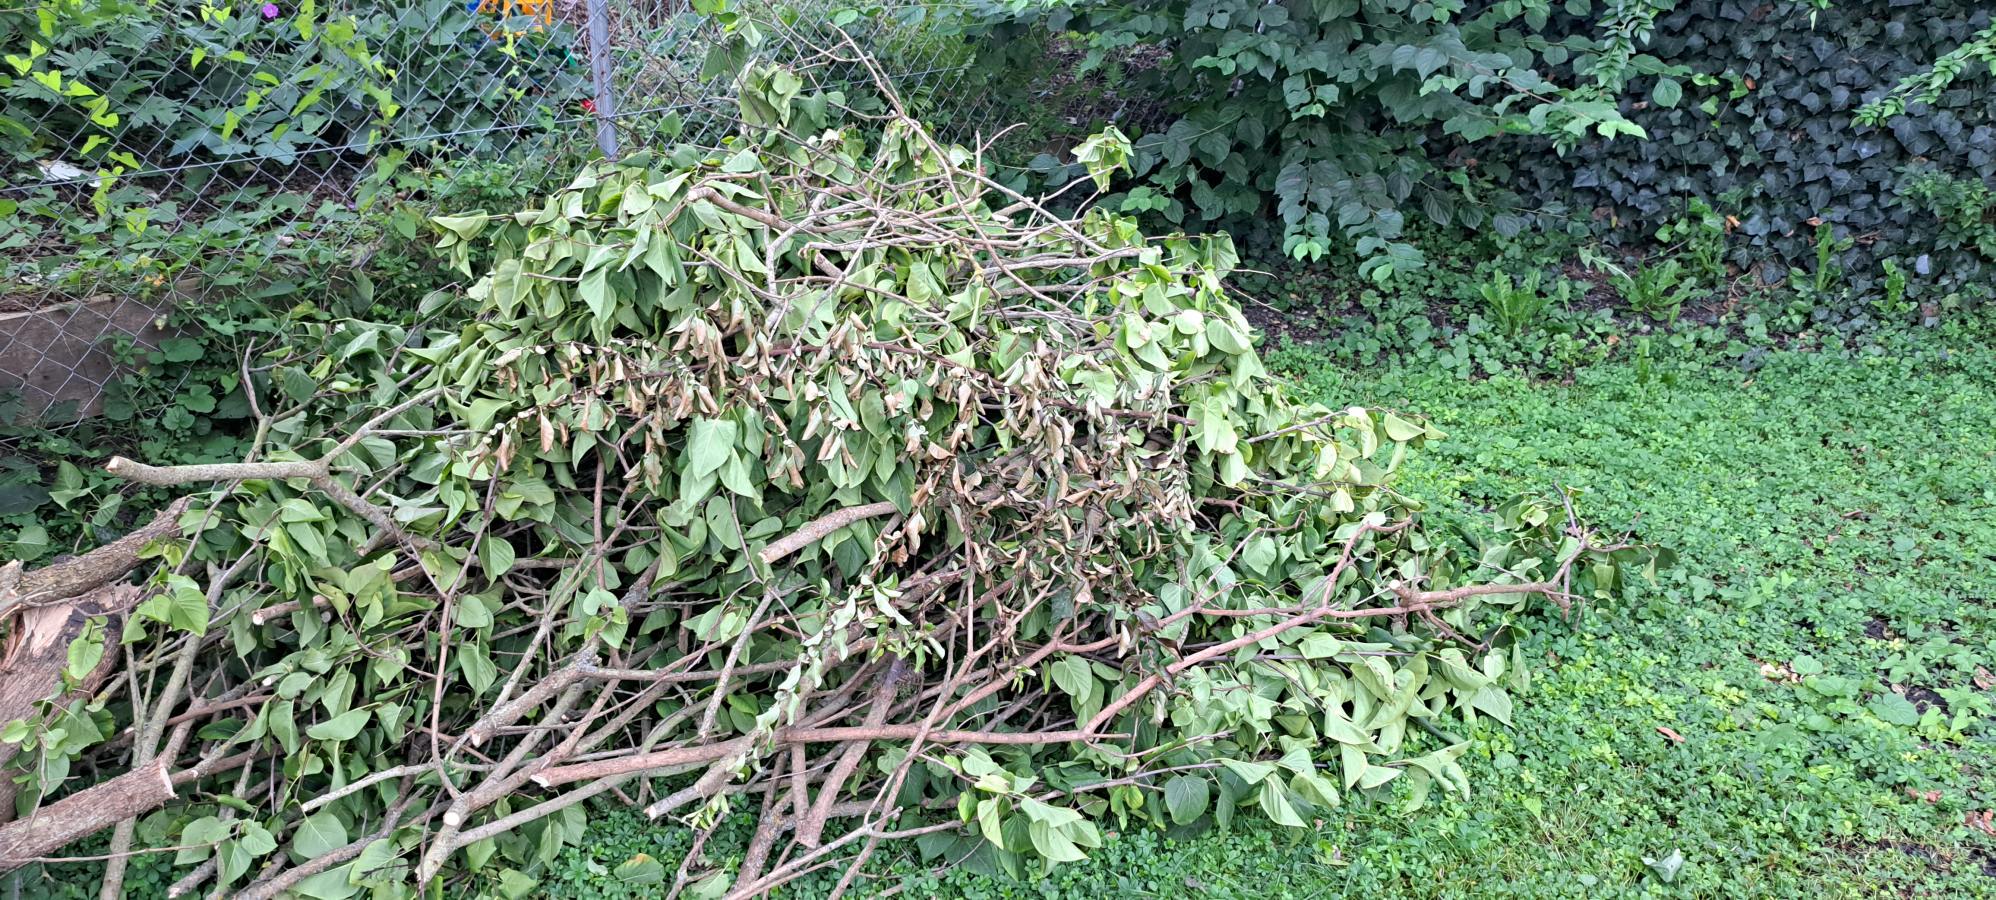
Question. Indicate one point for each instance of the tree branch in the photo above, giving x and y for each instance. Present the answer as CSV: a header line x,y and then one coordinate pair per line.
x,y
84,813
822,526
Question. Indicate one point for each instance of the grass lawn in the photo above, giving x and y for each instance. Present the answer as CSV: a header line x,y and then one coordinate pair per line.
x,y
1800,709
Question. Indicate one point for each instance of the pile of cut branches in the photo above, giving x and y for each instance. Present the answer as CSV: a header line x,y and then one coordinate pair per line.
x,y
821,477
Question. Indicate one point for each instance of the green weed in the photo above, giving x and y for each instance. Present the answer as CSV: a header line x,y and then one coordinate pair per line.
x,y
1514,307
1657,291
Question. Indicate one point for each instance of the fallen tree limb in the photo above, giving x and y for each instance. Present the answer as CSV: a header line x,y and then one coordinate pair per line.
x,y
812,826
94,569
84,813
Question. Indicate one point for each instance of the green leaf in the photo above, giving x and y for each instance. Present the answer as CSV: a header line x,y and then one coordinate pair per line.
x,y
1344,731
639,869
495,553
1493,700
31,541
181,350
296,385
472,611
1260,554
341,727
595,293
1250,772
310,540
1275,803
1320,645
232,861
256,839
1401,430
991,821
1186,797
68,484
1354,763
710,443
465,227
1225,338
1894,708
377,855
189,611
1072,675
477,667
721,524
1667,92
197,837
319,834
87,650
1053,844
1374,776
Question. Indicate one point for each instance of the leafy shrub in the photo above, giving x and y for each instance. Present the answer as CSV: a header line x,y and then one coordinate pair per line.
x,y
130,85
1036,505
1698,239
1317,114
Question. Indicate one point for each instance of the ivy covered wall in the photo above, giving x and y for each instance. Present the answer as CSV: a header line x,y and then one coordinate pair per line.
x,y
1766,132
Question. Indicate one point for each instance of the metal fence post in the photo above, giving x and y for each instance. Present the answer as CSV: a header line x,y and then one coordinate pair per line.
x,y
600,76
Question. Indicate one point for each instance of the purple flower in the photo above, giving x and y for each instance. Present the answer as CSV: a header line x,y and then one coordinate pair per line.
x,y
270,10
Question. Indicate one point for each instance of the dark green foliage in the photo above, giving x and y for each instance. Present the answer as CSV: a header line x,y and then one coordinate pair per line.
x,y
1767,133
1443,315
142,143
1306,124
1964,208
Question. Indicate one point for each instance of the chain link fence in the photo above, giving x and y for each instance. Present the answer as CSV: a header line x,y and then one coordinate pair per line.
x,y
155,153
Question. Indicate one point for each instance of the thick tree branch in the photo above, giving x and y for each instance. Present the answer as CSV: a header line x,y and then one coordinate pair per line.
x,y
84,813
94,569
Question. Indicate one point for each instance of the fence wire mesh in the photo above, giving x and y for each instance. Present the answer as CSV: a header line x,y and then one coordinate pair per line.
x,y
152,153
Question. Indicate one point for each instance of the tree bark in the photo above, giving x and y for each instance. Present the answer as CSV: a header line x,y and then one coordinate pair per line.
x,y
38,649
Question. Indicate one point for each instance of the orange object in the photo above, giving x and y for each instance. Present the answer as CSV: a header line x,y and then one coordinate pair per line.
x,y
542,10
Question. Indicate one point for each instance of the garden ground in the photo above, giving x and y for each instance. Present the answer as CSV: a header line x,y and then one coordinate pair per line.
x,y
1799,709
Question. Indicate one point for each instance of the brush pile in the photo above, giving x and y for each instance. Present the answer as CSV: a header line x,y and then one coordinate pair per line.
x,y
821,477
